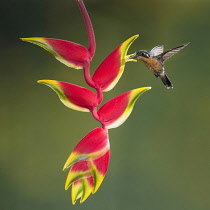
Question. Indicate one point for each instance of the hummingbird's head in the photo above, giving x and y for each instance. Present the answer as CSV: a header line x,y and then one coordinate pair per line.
x,y
143,53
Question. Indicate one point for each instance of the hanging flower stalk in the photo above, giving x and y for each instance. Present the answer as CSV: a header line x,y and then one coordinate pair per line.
x,y
88,162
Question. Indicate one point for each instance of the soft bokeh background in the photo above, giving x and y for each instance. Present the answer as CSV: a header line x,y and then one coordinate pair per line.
x,y
160,157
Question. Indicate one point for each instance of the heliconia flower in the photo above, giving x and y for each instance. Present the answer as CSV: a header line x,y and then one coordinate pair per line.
x,y
89,160
115,112
92,146
85,177
69,53
88,164
111,69
73,96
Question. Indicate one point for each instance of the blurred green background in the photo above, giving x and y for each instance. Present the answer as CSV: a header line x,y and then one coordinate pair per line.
x,y
160,157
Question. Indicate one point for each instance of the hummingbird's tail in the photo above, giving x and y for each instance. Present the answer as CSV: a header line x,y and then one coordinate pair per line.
x,y
166,81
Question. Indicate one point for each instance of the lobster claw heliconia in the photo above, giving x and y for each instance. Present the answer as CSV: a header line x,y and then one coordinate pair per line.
x,y
88,164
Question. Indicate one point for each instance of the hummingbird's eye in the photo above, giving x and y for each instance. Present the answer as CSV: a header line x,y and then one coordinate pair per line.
x,y
143,54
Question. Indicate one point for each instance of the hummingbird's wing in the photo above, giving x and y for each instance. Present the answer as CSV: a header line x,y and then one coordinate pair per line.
x,y
156,50
167,54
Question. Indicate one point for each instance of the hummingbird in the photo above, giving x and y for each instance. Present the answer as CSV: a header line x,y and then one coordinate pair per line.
x,y
155,59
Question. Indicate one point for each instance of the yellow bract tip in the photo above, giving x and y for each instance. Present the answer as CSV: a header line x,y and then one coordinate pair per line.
x,y
40,81
48,82
34,40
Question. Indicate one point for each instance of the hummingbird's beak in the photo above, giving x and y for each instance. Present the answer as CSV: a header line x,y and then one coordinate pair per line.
x,y
132,57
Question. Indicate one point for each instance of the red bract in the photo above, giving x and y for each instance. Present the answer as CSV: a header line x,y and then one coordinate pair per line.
x,y
92,146
88,162
68,53
86,177
110,70
99,168
114,112
73,96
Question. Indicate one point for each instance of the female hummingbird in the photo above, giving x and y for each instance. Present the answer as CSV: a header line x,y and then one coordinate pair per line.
x,y
155,59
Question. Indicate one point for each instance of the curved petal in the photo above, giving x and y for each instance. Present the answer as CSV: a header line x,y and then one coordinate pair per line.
x,y
69,53
98,169
110,70
78,171
88,184
76,190
86,177
82,189
92,146
73,96
114,113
